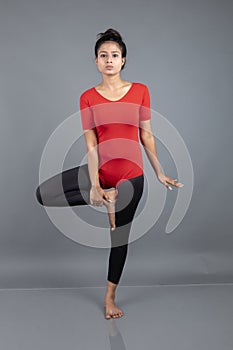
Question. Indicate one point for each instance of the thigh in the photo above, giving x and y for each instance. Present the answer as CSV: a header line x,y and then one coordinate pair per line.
x,y
74,179
129,194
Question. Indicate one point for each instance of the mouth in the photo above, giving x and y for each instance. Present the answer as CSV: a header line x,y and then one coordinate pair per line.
x,y
109,67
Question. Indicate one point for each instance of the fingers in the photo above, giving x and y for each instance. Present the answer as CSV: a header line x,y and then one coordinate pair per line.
x,y
177,184
96,202
174,183
107,198
95,197
100,203
166,180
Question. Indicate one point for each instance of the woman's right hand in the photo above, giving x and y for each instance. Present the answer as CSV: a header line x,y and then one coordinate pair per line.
x,y
96,195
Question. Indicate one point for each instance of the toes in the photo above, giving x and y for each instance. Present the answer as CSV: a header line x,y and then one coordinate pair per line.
x,y
111,314
108,316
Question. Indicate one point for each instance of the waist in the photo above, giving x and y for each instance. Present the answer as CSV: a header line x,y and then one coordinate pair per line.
x,y
116,170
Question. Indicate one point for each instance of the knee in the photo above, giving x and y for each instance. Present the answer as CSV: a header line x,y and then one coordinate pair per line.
x,y
38,195
122,250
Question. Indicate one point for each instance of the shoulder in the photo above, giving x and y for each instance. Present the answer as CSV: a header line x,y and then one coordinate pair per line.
x,y
141,86
85,94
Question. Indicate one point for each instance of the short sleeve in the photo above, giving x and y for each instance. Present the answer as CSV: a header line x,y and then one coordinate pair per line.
x,y
86,113
145,112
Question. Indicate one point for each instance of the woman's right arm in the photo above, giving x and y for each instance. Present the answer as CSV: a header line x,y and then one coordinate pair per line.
x,y
96,192
88,126
92,156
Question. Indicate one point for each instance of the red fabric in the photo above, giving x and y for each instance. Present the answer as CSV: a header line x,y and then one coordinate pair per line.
x,y
116,124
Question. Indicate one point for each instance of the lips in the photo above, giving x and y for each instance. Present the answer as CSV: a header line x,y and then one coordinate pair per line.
x,y
109,67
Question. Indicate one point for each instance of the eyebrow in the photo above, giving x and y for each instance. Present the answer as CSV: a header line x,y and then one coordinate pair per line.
x,y
111,51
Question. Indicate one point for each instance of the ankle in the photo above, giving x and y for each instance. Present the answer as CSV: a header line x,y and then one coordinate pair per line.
x,y
110,293
111,290
109,298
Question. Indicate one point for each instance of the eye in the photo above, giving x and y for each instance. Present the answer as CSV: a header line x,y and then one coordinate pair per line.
x,y
102,55
115,55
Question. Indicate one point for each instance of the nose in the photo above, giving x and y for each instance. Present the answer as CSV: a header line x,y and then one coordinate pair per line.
x,y
109,59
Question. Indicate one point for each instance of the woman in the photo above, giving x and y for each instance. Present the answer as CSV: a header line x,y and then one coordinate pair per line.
x,y
111,115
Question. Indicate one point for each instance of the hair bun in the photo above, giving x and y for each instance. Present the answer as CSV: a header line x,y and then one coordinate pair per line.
x,y
110,32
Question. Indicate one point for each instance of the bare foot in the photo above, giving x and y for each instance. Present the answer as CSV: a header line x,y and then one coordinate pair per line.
x,y
112,195
111,310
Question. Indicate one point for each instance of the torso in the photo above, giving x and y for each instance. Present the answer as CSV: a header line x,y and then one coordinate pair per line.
x,y
116,124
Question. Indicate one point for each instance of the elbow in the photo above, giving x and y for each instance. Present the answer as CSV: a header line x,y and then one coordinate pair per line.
x,y
90,146
91,149
147,139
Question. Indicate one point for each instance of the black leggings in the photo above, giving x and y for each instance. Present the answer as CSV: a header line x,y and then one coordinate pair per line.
x,y
73,186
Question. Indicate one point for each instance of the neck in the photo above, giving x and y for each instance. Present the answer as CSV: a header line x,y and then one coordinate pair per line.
x,y
111,82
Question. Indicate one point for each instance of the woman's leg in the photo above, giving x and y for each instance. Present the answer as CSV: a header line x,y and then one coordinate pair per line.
x,y
125,210
68,188
131,188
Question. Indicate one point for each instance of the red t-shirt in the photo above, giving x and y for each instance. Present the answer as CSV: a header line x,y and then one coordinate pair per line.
x,y
116,124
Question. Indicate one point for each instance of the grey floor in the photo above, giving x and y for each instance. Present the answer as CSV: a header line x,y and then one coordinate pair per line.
x,y
182,317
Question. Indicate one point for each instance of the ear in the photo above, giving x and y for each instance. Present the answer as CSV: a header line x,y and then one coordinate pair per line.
x,y
123,61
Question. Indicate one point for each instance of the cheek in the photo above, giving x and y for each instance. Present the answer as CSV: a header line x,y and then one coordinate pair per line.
x,y
100,63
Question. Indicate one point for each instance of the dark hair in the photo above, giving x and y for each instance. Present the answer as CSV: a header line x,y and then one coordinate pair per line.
x,y
111,35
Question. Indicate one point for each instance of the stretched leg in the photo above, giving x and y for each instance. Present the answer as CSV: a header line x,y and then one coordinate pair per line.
x,y
125,211
68,188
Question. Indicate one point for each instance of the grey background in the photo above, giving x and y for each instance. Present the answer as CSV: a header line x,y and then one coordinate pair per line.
x,y
183,51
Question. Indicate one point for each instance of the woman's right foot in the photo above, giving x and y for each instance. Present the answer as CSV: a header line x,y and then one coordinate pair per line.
x,y
111,310
112,194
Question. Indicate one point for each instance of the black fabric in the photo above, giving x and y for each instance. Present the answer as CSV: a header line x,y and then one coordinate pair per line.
x,y
72,187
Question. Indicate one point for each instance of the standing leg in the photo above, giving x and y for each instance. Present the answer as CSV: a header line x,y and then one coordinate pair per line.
x,y
125,211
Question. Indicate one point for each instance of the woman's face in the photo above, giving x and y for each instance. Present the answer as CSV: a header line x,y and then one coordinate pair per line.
x,y
109,54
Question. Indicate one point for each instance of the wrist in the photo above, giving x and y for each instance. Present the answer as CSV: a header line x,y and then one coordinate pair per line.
x,y
95,186
159,173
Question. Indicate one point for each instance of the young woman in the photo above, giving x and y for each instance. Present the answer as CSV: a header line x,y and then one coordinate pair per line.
x,y
112,113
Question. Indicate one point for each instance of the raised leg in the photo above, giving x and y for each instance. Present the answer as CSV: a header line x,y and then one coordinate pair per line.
x,y
71,188
68,188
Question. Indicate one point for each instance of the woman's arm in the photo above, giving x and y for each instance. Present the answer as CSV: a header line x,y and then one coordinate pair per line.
x,y
148,141
97,194
92,156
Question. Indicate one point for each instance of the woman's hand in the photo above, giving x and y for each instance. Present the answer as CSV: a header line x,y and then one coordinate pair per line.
x,y
166,180
97,196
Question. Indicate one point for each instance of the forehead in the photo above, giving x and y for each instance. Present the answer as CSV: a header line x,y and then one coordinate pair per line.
x,y
109,46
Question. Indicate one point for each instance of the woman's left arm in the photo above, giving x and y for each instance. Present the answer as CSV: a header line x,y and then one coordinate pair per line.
x,y
148,141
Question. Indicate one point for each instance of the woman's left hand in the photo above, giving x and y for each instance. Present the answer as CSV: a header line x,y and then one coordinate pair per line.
x,y
167,181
